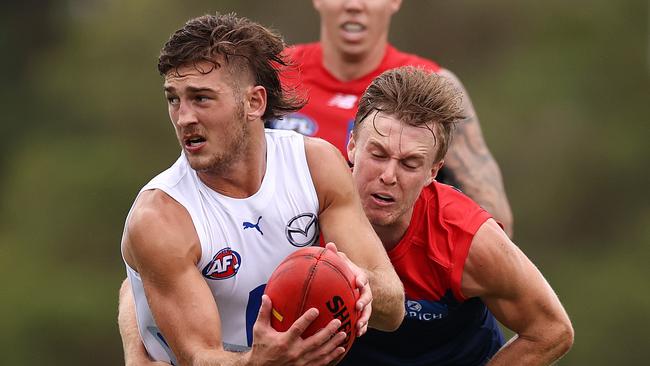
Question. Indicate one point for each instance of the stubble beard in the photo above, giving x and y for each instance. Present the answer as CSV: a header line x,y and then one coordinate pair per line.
x,y
234,147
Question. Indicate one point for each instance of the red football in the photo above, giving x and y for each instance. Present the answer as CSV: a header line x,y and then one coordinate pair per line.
x,y
314,277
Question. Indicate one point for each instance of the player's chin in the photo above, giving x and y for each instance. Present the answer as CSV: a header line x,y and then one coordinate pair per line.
x,y
199,164
380,217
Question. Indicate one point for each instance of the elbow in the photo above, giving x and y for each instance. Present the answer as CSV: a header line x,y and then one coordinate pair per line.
x,y
395,314
398,310
565,338
560,340
396,320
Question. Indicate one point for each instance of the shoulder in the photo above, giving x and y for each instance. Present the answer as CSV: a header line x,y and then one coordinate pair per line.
x,y
329,170
398,58
490,246
154,206
455,210
321,153
454,221
158,224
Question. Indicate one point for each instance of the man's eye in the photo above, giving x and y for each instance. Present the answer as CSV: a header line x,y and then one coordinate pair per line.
x,y
172,100
410,165
201,98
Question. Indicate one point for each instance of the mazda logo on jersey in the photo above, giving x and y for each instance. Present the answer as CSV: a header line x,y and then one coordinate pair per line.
x,y
224,264
302,230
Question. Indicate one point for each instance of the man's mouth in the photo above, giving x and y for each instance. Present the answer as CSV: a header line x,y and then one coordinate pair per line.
x,y
353,27
383,198
194,141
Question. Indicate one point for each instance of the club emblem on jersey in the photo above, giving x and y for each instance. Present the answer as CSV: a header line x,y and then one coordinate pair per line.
x,y
224,264
296,122
256,226
343,101
413,305
425,310
302,230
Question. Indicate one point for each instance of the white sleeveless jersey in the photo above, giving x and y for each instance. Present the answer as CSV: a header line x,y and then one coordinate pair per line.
x,y
242,240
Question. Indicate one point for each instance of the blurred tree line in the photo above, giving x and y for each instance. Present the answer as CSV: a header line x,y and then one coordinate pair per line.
x,y
561,90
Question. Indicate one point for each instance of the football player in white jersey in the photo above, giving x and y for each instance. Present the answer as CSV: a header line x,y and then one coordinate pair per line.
x,y
221,83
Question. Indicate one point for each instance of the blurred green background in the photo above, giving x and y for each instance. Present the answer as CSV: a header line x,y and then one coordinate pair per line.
x,y
562,90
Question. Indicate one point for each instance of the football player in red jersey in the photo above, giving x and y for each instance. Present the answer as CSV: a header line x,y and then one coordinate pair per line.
x,y
461,272
352,51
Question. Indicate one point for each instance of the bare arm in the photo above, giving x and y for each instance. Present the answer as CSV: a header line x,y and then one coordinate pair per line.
x,y
472,164
134,351
343,222
161,244
519,297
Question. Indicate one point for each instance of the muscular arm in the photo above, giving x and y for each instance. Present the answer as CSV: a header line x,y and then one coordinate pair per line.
x,y
162,245
519,297
343,222
134,351
472,164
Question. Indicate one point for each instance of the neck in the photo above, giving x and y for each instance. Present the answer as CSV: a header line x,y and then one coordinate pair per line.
x,y
350,66
391,235
243,178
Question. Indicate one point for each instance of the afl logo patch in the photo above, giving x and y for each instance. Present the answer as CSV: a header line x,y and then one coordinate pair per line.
x,y
224,264
296,122
302,230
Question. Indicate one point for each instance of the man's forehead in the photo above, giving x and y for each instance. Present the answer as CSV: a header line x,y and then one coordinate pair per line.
x,y
205,73
386,125
200,76
388,131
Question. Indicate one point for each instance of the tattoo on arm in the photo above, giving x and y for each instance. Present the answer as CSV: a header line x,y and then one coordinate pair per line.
x,y
476,172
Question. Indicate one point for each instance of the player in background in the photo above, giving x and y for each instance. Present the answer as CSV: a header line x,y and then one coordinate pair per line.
x,y
460,271
352,51
196,273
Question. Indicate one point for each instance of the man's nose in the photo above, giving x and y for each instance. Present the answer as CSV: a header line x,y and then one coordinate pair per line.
x,y
389,174
186,115
353,5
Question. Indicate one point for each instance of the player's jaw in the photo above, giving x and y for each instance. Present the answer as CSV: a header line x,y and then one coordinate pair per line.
x,y
214,151
382,206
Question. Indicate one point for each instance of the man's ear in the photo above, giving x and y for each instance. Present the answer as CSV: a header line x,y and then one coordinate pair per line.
x,y
255,102
351,147
434,171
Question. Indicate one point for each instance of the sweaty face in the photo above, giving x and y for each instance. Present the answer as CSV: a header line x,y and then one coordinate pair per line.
x,y
208,116
355,26
393,161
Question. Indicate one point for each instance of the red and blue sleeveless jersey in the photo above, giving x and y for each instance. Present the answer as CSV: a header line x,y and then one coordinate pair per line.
x,y
441,326
331,103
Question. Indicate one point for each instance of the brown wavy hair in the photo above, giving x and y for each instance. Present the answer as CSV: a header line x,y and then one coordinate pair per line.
x,y
243,45
416,97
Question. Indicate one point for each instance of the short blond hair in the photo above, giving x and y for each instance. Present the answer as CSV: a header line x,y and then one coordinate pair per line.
x,y
416,97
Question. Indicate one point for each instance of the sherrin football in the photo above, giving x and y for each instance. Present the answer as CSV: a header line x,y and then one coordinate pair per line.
x,y
314,277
